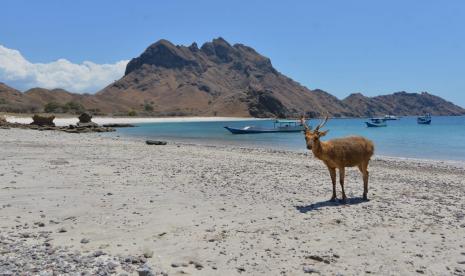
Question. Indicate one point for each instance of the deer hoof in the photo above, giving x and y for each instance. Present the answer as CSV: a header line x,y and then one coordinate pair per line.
x,y
343,201
333,199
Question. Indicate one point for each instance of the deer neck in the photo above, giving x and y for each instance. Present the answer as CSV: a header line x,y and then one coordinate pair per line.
x,y
317,149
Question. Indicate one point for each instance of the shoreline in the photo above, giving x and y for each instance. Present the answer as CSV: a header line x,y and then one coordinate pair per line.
x,y
64,121
177,141
210,210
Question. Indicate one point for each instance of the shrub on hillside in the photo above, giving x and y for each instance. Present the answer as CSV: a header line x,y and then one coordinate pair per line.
x,y
52,107
148,107
73,107
69,107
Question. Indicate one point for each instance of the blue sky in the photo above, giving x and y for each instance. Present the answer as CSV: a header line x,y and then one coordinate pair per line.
x,y
372,47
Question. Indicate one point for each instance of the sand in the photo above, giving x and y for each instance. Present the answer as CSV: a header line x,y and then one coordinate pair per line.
x,y
65,121
222,210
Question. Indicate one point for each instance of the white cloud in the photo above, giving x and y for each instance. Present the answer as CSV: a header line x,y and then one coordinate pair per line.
x,y
88,77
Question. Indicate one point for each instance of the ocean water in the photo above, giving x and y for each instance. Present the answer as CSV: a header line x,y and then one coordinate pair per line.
x,y
444,139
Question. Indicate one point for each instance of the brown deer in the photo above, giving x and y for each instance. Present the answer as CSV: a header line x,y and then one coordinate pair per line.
x,y
339,154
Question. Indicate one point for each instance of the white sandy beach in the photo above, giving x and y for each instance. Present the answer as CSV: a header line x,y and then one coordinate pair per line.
x,y
65,121
225,211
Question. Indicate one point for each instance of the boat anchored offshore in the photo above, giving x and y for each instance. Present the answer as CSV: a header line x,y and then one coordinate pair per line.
x,y
424,120
278,126
390,118
376,122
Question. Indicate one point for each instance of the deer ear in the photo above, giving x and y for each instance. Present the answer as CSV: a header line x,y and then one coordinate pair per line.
x,y
323,133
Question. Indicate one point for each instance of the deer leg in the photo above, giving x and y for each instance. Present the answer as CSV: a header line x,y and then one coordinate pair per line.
x,y
341,181
365,181
332,172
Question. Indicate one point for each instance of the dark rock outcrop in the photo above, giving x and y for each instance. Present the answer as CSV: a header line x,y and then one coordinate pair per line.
x,y
155,142
90,124
43,120
85,118
118,125
3,123
263,104
69,129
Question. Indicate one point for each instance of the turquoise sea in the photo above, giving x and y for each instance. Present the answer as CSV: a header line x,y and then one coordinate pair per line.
x,y
444,139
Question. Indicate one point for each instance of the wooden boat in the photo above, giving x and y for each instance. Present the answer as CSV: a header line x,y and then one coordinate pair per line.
x,y
278,126
424,120
376,122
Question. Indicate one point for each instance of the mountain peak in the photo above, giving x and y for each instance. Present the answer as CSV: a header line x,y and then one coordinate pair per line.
x,y
164,43
355,95
220,41
194,47
164,54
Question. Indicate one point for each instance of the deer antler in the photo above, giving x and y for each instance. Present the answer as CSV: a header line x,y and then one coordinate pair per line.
x,y
323,123
304,123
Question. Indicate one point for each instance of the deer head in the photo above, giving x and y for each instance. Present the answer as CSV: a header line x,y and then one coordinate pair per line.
x,y
313,136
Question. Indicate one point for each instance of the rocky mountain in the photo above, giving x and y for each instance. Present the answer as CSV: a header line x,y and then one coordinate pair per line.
x,y
12,100
401,103
217,79
37,99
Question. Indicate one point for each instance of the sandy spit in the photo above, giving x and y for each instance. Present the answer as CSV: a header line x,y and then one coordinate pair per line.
x,y
64,121
202,210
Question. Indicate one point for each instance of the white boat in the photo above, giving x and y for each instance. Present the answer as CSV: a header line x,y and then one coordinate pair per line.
x,y
278,126
390,118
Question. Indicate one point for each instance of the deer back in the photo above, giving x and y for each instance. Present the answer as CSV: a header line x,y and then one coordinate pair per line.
x,y
347,152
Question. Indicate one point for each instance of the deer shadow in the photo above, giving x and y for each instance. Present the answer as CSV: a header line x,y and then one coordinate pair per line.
x,y
327,203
